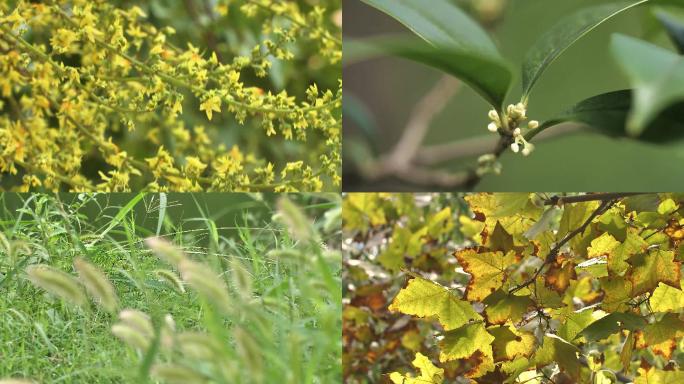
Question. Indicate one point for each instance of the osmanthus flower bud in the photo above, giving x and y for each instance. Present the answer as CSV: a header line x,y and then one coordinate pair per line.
x,y
488,164
496,121
520,145
533,124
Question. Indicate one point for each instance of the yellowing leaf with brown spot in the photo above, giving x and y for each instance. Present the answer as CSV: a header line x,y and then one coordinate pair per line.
x,y
429,373
560,273
471,342
650,269
487,270
633,244
617,293
509,343
654,376
661,337
502,307
666,298
514,211
423,298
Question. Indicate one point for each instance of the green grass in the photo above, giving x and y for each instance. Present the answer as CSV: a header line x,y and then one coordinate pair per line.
x,y
285,329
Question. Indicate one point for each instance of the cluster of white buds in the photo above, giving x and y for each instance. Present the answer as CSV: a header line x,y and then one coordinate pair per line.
x,y
520,144
496,121
516,114
487,164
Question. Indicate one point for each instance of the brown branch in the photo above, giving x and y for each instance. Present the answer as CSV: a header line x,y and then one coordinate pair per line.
x,y
477,146
561,200
605,205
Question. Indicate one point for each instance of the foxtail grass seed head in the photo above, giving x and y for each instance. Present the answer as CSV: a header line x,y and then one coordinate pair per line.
x,y
168,331
207,283
57,283
138,320
277,305
199,346
171,278
164,250
177,374
130,336
134,328
242,279
16,381
293,217
333,220
249,352
97,285
286,254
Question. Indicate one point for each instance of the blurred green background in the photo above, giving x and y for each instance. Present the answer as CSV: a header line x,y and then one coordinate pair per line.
x,y
388,88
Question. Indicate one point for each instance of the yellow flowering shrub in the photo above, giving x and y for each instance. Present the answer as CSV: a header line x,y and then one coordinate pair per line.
x,y
227,95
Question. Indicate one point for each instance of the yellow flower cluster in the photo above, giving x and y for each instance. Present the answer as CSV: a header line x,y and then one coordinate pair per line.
x,y
79,76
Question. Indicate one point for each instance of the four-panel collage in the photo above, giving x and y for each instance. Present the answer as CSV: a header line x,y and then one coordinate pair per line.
x,y
186,196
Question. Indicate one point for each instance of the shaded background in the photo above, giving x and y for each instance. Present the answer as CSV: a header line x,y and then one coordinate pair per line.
x,y
386,90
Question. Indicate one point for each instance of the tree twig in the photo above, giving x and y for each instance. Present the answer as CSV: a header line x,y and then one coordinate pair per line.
x,y
561,200
480,145
553,253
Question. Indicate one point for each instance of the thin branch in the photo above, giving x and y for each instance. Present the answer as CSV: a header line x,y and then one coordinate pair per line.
x,y
476,146
422,115
561,200
553,253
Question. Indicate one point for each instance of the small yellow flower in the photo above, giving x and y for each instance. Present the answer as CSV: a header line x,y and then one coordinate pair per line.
x,y
211,104
63,39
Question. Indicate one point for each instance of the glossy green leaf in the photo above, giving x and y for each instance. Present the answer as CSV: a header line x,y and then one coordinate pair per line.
x,y
564,34
610,324
488,76
441,23
674,28
456,45
657,76
607,114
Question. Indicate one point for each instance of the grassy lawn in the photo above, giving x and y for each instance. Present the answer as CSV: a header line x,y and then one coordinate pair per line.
x,y
253,297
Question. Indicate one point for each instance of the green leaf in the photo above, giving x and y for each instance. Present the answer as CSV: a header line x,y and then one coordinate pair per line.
x,y
666,298
510,343
442,24
674,27
564,34
657,76
423,298
428,372
607,114
617,293
456,45
611,324
502,307
555,349
661,336
658,266
489,76
654,376
464,341
488,271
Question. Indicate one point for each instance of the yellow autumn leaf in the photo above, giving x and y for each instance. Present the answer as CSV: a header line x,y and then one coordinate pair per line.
x,y
423,298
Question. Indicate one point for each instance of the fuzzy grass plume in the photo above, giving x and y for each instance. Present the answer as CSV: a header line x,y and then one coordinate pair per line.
x,y
57,283
97,285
